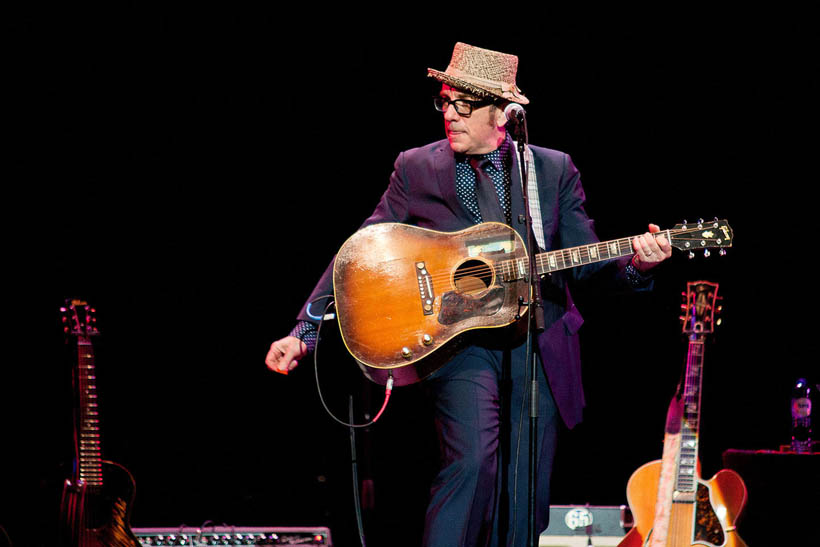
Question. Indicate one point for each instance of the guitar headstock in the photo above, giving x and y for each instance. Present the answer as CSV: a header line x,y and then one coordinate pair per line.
x,y
79,319
700,307
715,234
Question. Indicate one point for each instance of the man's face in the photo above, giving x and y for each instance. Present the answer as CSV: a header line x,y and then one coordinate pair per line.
x,y
482,132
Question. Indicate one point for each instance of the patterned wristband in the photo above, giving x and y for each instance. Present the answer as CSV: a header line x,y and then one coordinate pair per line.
x,y
307,333
635,277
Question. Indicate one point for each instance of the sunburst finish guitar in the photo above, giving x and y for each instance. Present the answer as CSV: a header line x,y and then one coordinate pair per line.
x,y
405,295
671,504
97,497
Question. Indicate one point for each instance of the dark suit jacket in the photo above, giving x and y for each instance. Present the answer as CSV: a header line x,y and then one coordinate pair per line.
x,y
422,192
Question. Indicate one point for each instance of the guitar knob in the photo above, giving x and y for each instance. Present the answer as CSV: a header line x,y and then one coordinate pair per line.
x,y
406,352
427,340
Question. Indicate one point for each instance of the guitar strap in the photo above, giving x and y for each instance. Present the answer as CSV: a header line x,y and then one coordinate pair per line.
x,y
532,196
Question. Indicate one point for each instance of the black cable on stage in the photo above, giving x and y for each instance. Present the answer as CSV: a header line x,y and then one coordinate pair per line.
x,y
354,464
350,425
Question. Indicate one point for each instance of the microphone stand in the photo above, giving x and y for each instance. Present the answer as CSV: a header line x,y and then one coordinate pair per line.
x,y
535,325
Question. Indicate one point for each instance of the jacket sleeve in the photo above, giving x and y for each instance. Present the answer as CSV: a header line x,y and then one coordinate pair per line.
x,y
392,207
576,228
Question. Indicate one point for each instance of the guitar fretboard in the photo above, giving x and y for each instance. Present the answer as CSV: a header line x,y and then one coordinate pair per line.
x,y
686,481
89,454
563,259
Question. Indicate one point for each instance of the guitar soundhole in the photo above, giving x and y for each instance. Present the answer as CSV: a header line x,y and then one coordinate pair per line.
x,y
473,276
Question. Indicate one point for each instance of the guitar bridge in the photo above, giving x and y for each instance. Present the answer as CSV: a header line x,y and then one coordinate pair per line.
x,y
426,293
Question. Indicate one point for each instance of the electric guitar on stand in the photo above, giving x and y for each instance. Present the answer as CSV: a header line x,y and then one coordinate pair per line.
x,y
672,506
97,498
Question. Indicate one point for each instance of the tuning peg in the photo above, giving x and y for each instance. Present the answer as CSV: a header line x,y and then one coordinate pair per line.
x,y
691,255
706,253
722,252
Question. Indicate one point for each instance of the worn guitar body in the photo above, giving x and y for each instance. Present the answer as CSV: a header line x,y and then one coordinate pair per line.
x,y
98,516
404,292
709,520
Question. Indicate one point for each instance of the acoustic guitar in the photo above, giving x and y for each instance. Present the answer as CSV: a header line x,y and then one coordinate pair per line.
x,y
672,506
97,498
405,296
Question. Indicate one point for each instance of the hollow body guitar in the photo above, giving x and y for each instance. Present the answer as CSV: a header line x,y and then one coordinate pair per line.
x,y
405,296
97,498
672,506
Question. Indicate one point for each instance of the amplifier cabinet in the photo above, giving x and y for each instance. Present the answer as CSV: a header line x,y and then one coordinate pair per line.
x,y
233,535
586,525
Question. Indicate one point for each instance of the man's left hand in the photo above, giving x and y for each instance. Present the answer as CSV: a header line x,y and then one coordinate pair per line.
x,y
650,250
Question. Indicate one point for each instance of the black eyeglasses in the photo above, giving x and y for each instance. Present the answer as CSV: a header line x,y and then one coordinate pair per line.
x,y
464,107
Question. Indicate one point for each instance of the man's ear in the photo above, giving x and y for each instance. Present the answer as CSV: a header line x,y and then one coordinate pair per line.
x,y
500,117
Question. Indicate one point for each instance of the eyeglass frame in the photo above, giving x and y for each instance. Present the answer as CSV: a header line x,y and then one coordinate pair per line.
x,y
470,104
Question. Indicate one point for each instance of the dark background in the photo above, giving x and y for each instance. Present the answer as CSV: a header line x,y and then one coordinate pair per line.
x,y
191,173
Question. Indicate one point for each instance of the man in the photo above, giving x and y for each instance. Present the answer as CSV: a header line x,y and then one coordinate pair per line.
x,y
480,397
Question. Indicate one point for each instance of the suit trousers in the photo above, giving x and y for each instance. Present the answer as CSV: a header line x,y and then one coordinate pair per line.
x,y
481,405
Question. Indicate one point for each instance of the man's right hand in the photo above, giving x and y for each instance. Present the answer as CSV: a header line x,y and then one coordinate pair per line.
x,y
285,353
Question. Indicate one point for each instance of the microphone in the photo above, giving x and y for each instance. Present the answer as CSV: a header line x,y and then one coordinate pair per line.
x,y
514,113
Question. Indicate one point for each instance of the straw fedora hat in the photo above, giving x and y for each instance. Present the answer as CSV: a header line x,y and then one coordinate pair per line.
x,y
482,72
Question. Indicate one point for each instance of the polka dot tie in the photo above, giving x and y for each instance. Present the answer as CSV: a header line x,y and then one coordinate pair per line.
x,y
485,190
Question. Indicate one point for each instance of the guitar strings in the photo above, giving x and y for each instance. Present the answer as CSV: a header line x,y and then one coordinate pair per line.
x,y
583,251
678,521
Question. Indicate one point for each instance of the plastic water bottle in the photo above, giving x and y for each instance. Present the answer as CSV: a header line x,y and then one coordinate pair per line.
x,y
801,416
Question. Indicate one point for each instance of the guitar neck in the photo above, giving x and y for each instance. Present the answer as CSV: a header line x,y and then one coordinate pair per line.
x,y
563,259
686,479
87,428
571,257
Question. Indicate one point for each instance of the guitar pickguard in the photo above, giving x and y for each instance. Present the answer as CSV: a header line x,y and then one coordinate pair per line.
x,y
707,526
456,306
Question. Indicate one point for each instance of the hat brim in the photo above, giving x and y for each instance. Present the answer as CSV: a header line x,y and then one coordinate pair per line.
x,y
478,89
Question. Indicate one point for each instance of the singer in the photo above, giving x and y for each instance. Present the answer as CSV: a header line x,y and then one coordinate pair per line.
x,y
480,397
